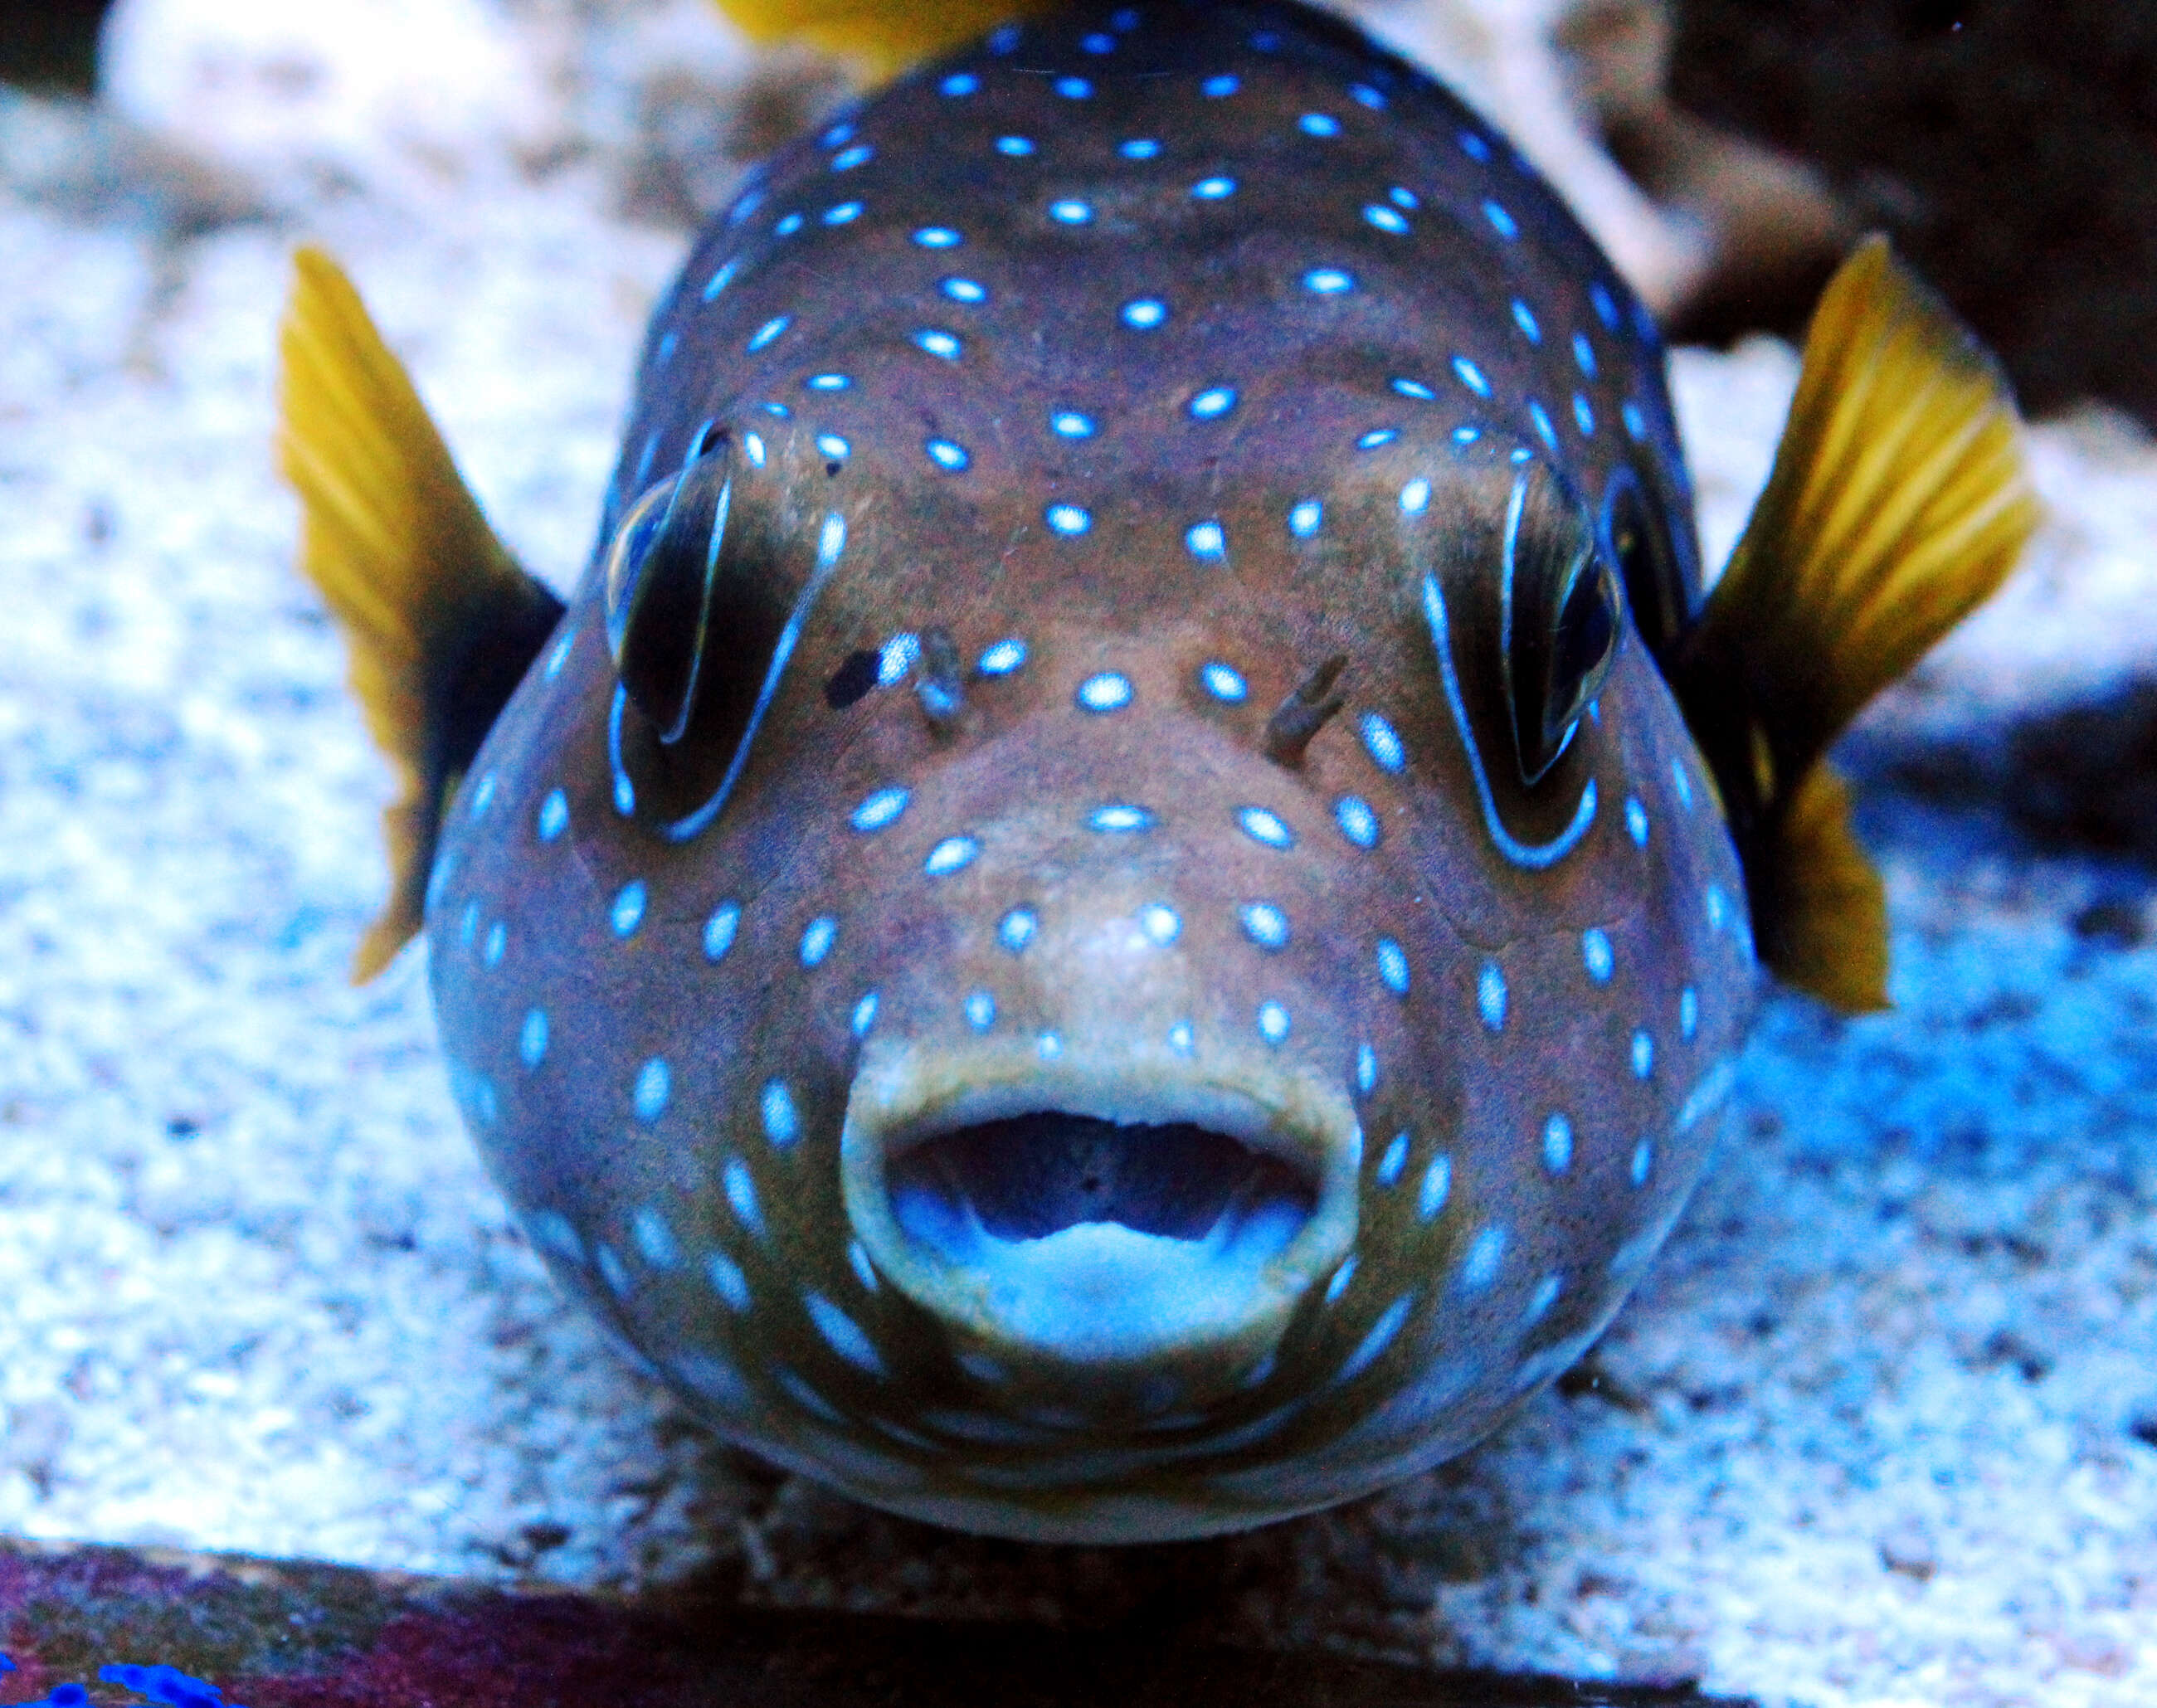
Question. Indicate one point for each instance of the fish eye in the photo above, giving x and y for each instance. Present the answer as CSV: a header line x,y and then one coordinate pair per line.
x,y
660,574
1646,559
1561,617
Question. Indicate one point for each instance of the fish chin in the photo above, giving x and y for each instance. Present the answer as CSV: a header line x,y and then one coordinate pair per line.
x,y
1117,1237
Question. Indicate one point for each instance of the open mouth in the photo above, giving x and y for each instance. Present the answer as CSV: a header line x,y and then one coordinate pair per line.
x,y
1101,1229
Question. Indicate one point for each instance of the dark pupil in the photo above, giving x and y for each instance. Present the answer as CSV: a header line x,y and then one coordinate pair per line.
x,y
852,680
1585,631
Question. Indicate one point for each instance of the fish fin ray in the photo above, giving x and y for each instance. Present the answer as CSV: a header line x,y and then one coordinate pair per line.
x,y
439,619
885,37
1828,918
1899,500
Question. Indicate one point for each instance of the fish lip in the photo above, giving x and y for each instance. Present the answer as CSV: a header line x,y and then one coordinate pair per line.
x,y
906,1093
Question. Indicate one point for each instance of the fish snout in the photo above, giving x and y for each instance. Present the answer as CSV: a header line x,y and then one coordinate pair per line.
x,y
1111,1235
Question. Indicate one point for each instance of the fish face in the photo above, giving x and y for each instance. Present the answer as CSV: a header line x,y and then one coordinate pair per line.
x,y
1100,923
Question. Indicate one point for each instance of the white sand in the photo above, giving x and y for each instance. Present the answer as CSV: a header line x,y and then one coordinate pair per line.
x,y
255,1294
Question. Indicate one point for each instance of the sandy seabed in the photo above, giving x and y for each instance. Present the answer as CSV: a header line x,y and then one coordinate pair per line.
x,y
1880,1427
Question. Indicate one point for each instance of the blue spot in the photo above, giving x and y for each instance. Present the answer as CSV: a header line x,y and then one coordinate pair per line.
x,y
1016,147
497,940
654,1239
1364,96
1069,424
1068,519
740,1187
1394,1162
1437,1186
1160,924
769,330
667,345
964,290
1636,423
1636,822
834,447
937,237
830,139
1471,376
1595,954
847,159
1073,88
1107,692
1501,222
1376,437
554,816
719,930
1385,218
532,1038
1328,282
1273,1023
1367,1069
654,1085
1491,996
938,343
1180,1038
1381,743
1005,37
1144,313
1583,417
1214,189
1606,307
1413,388
1643,1055
1381,1336
1070,211
842,213
1583,354
1688,1013
1544,431
754,444
1357,823
1213,88
827,381
1118,818
1525,319
1546,1295
719,280
816,939
1338,1284
1017,929
981,1011
1466,433
841,1333
1392,966
865,1013
1214,402
782,1124
1478,1266
1305,519
1401,197
1319,125
952,854
1474,145
1098,43
1415,497
1644,1158
787,226
1680,783
959,83
627,913
1001,658
1139,148
879,810
560,656
945,454
483,796
1264,924
1715,907
1206,542
1223,682
1263,825
727,1280
1557,1144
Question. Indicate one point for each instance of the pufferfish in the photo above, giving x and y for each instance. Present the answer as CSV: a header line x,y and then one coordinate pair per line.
x,y
1123,903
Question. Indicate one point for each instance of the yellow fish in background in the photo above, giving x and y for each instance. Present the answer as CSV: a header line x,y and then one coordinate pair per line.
x,y
1123,903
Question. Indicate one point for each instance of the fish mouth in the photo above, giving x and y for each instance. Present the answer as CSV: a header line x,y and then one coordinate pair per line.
x,y
1115,1239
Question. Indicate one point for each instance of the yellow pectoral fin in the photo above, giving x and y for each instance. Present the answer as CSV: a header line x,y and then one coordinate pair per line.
x,y
887,37
1827,917
1898,502
440,619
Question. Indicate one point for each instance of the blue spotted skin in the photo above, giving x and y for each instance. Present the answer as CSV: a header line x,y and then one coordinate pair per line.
x,y
1155,357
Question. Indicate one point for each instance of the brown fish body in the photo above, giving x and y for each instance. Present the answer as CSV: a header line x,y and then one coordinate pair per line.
x,y
1100,920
